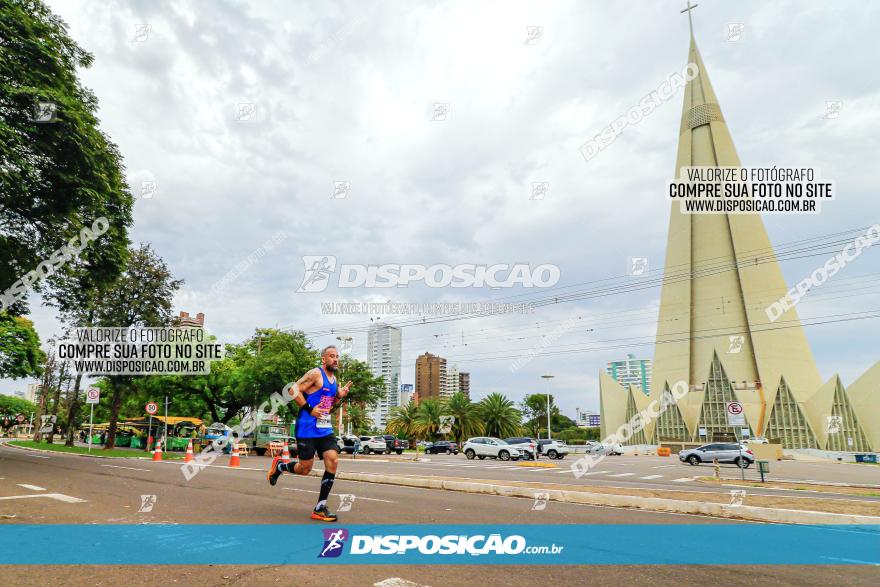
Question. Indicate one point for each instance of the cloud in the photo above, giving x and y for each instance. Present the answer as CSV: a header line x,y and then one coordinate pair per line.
x,y
343,92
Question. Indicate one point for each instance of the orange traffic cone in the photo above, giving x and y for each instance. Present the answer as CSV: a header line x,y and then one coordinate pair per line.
x,y
189,452
157,453
233,460
285,454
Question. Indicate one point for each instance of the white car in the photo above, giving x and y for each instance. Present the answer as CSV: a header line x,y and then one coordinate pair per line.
x,y
749,441
484,446
373,444
593,447
552,448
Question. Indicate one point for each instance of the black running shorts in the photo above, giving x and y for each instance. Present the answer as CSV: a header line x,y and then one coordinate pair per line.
x,y
307,447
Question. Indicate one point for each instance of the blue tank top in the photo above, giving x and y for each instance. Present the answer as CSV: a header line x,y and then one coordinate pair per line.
x,y
307,426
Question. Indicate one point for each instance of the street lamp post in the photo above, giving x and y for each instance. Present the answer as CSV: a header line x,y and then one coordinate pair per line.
x,y
548,378
346,341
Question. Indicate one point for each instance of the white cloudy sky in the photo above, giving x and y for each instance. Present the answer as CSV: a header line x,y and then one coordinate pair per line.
x,y
342,93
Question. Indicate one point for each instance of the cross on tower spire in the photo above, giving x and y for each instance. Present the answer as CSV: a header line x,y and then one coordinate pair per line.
x,y
690,20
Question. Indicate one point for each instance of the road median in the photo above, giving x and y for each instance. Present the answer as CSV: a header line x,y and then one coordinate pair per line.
x,y
760,508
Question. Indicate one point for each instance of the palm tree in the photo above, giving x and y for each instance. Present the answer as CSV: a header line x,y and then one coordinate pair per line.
x,y
357,417
428,419
403,422
467,422
500,417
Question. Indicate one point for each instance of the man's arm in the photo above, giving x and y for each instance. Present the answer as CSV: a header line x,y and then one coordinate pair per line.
x,y
306,382
341,395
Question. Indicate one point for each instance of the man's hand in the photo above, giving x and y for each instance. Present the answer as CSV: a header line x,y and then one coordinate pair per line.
x,y
344,391
319,411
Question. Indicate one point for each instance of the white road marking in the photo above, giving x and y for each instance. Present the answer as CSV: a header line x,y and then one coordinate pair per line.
x,y
622,475
684,479
357,497
651,477
31,487
396,582
39,456
129,468
55,496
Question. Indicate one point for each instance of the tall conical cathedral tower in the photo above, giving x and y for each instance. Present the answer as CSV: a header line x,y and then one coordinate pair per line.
x,y
713,331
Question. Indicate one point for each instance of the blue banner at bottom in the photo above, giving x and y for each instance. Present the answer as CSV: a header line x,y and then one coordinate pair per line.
x,y
435,544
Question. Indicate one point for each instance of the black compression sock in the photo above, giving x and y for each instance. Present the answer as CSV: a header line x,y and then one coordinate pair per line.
x,y
326,486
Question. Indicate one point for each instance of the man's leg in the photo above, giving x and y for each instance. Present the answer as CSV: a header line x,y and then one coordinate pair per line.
x,y
331,461
327,451
306,451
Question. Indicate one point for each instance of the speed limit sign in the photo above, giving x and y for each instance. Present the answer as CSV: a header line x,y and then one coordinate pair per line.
x,y
152,408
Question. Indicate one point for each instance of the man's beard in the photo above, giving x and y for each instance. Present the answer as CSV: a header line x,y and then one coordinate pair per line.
x,y
332,368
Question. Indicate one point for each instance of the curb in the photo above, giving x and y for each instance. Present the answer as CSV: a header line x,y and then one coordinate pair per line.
x,y
817,483
72,454
656,504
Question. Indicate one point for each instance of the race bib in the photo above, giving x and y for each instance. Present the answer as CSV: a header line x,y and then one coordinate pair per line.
x,y
324,421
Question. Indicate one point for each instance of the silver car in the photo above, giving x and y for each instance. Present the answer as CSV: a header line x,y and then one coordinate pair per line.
x,y
724,452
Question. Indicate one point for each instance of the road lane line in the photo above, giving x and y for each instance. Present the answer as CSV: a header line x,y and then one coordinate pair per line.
x,y
683,479
55,496
129,468
356,497
622,475
651,477
31,487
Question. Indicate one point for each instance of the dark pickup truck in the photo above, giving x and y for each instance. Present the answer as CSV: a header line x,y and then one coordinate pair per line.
x,y
395,444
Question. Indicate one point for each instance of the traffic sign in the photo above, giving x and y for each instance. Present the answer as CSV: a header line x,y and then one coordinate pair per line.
x,y
152,408
93,394
19,418
735,415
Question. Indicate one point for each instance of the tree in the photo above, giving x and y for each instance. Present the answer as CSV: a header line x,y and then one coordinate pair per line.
x,y
11,407
140,296
20,354
366,389
357,418
403,423
467,422
428,420
58,171
500,416
534,408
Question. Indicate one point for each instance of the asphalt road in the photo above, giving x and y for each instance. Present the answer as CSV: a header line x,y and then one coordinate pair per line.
x,y
623,471
107,491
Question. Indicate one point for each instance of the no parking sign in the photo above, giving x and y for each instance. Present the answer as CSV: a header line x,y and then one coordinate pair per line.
x,y
735,414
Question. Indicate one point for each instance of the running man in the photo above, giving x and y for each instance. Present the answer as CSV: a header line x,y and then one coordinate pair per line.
x,y
315,394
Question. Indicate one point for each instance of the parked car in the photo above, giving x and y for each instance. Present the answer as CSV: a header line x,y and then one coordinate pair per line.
x,y
482,447
442,446
370,444
724,452
749,441
346,443
529,446
593,447
394,444
552,449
